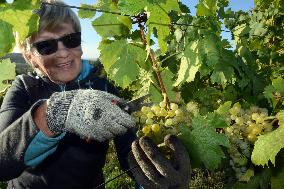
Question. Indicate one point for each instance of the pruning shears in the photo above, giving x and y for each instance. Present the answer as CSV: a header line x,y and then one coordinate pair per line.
x,y
133,105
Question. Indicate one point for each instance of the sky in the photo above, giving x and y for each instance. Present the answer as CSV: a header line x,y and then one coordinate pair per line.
x,y
91,40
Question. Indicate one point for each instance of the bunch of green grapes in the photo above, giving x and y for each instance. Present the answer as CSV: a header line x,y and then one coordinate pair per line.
x,y
159,120
250,123
245,127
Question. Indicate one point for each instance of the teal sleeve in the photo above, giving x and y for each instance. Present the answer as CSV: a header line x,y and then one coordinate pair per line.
x,y
40,148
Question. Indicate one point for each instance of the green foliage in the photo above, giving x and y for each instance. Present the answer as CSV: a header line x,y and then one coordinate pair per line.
x,y
83,13
7,73
112,170
16,17
267,146
203,143
118,58
111,25
275,92
3,185
6,37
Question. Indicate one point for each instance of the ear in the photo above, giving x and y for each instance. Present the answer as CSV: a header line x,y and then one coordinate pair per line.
x,y
29,56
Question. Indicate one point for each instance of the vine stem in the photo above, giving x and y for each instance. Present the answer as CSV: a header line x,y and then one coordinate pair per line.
x,y
155,66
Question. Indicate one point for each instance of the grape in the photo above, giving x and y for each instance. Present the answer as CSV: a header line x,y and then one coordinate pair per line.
x,y
163,104
233,117
145,109
169,122
192,107
256,131
149,121
171,113
155,108
146,130
162,113
251,137
239,120
150,115
259,119
152,120
179,112
245,125
234,110
255,116
173,106
155,128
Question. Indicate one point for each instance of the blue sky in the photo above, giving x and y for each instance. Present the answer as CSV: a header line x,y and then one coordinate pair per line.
x,y
90,39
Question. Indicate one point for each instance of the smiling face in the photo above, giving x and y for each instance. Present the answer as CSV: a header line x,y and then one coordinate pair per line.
x,y
62,66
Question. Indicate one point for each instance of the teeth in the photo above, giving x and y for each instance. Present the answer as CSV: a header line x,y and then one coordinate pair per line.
x,y
64,64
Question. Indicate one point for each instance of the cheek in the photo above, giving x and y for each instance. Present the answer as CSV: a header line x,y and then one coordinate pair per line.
x,y
78,52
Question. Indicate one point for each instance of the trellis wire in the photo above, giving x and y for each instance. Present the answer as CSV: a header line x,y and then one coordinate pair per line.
x,y
119,13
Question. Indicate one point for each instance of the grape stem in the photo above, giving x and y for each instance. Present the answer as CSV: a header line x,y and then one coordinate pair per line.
x,y
155,66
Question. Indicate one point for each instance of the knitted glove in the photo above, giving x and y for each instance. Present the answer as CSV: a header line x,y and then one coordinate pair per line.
x,y
154,171
87,113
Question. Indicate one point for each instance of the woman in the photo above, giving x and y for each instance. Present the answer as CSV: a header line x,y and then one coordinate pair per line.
x,y
48,138
56,122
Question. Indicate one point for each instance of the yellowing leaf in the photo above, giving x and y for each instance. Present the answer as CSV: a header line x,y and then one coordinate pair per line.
x,y
267,146
7,72
190,63
206,8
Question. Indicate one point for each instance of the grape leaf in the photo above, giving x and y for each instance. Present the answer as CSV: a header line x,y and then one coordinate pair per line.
x,y
263,4
18,18
132,7
215,120
86,13
206,8
144,82
212,47
204,143
268,145
258,29
190,63
107,5
222,73
224,108
270,91
167,77
110,25
239,31
160,20
6,38
19,14
120,60
7,72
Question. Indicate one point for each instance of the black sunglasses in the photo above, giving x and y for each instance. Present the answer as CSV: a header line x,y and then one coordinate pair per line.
x,y
50,46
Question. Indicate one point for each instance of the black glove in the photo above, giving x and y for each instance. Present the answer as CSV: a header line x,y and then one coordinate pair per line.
x,y
88,113
154,171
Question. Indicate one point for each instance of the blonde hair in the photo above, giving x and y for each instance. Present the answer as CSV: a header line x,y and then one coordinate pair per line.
x,y
51,14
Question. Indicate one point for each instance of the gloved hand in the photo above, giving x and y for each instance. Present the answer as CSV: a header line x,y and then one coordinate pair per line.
x,y
154,171
87,113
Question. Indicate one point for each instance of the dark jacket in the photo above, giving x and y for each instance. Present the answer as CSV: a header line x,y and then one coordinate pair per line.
x,y
76,163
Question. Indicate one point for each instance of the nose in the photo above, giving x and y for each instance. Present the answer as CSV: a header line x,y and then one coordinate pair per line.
x,y
62,51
